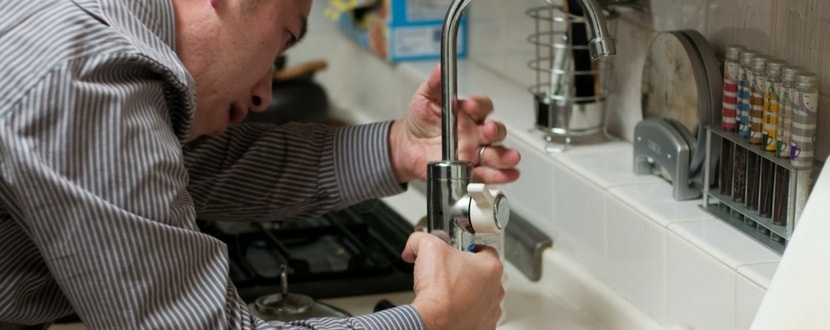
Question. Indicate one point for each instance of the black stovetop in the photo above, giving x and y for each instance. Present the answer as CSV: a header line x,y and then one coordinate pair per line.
x,y
355,251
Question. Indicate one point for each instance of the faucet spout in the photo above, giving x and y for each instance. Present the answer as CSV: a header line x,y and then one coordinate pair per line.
x,y
449,97
602,45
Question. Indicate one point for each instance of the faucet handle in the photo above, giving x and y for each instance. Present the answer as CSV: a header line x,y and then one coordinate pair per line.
x,y
489,209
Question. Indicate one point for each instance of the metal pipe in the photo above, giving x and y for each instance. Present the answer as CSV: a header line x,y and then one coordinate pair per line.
x,y
449,49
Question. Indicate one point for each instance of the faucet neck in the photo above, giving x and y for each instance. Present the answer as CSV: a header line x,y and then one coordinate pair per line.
x,y
449,97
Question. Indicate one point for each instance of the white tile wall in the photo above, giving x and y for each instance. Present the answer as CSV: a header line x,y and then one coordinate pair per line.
x,y
579,221
534,190
595,165
636,255
724,243
654,200
700,290
748,297
752,283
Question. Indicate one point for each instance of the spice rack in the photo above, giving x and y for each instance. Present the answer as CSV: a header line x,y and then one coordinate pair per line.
x,y
750,221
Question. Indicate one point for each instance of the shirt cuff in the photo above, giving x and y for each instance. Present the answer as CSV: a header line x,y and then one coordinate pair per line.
x,y
404,317
362,163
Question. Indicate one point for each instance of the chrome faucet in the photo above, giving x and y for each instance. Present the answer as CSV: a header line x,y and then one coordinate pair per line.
x,y
455,205
602,45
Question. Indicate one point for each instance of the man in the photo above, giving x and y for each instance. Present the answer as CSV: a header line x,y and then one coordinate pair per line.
x,y
116,131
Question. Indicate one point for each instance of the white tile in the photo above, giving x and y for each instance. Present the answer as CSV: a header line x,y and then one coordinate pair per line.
x,y
700,289
655,200
747,300
636,258
607,164
725,243
579,219
761,274
533,194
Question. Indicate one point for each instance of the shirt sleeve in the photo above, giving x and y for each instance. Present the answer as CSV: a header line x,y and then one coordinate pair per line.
x,y
94,174
398,318
293,171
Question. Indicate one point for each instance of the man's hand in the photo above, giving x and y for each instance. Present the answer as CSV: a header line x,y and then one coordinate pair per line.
x,y
416,141
455,289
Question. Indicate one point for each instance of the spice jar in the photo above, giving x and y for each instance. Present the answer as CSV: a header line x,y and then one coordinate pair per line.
x,y
745,92
772,95
731,76
784,127
805,107
756,99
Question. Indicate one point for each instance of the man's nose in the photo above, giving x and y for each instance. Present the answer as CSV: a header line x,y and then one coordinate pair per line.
x,y
261,93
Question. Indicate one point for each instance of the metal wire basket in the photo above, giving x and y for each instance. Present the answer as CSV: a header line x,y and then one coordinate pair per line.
x,y
569,93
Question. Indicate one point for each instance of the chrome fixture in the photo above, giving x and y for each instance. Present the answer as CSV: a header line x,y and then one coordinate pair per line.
x,y
602,45
455,205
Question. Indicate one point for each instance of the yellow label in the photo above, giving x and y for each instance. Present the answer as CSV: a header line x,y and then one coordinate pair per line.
x,y
770,126
336,8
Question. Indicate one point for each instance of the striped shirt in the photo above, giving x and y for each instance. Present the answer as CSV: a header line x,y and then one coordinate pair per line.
x,y
99,194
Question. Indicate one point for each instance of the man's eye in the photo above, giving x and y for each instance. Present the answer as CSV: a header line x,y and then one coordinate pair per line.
x,y
290,41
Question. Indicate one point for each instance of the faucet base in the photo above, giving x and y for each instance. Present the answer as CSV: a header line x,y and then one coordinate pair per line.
x,y
447,184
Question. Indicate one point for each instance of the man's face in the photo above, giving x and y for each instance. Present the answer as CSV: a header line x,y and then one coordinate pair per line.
x,y
229,47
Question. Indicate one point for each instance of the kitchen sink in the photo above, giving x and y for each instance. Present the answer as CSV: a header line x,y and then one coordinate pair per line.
x,y
566,297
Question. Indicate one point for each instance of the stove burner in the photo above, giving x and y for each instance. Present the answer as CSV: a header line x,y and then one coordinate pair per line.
x,y
355,251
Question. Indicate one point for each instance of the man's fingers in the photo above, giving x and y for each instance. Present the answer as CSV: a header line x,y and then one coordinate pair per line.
x,y
491,132
478,107
491,175
499,157
420,240
431,89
